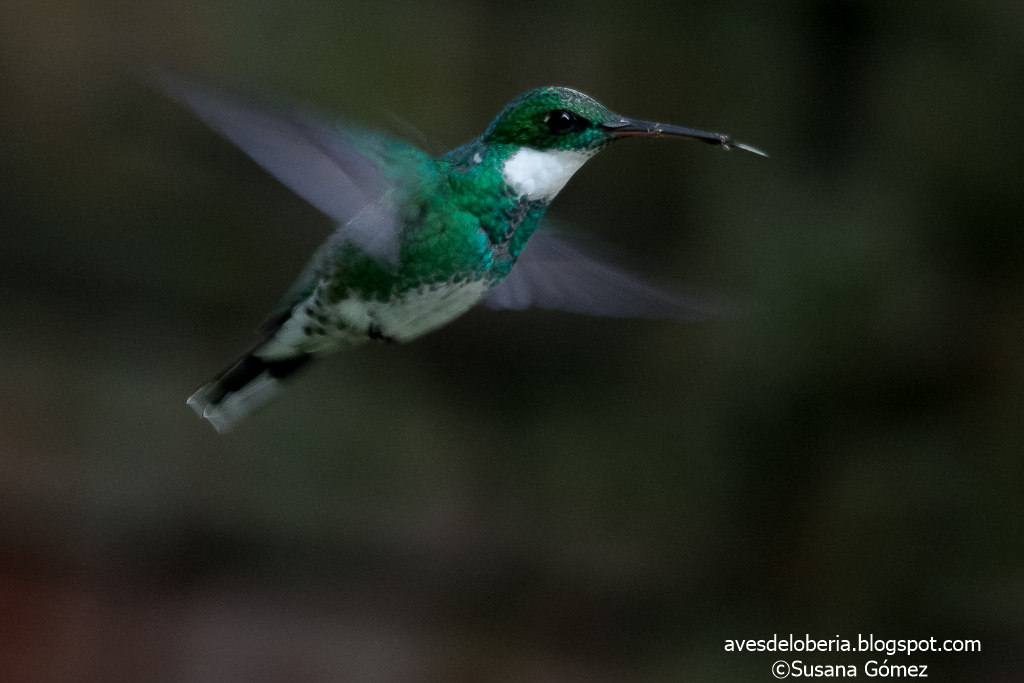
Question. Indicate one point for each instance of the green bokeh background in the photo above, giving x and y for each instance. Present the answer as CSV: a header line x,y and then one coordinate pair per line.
x,y
519,496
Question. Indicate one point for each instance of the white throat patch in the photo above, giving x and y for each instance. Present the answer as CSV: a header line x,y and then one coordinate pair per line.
x,y
540,174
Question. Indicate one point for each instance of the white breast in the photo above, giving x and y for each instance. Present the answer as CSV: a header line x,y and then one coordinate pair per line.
x,y
540,174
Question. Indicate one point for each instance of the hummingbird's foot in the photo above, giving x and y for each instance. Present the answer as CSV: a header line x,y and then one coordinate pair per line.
x,y
374,332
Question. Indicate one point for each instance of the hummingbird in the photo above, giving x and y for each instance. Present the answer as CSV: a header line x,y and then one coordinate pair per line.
x,y
421,239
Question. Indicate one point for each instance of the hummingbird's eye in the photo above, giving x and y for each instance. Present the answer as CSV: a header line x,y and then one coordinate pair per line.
x,y
561,121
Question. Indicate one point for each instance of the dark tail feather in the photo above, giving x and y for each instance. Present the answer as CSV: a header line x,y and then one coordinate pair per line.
x,y
242,388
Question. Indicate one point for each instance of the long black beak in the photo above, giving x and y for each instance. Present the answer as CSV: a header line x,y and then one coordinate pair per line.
x,y
621,128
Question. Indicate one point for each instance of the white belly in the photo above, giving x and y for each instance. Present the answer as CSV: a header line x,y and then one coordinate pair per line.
x,y
425,309
329,327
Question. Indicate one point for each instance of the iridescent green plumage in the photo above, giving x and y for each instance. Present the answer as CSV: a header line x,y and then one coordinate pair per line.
x,y
523,121
423,239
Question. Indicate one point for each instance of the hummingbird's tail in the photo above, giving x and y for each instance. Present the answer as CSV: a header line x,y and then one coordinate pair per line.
x,y
242,388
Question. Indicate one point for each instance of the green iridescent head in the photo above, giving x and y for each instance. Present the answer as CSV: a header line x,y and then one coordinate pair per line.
x,y
560,118
552,118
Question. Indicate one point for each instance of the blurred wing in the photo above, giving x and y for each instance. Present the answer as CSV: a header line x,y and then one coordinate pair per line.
x,y
338,173
552,273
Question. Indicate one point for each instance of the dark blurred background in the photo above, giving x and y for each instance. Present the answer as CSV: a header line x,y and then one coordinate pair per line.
x,y
535,496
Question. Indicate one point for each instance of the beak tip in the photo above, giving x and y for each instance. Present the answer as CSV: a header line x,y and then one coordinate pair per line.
x,y
728,144
749,148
